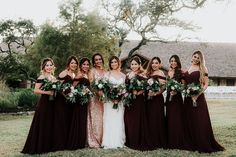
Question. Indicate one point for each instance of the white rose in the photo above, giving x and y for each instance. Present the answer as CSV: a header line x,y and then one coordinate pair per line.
x,y
150,81
139,83
100,86
188,91
70,95
54,86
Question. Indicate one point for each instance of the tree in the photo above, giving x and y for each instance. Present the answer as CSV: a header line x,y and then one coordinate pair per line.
x,y
87,33
17,36
146,17
50,42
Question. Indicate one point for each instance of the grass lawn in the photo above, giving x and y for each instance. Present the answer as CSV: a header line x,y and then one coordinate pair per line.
x,y
14,129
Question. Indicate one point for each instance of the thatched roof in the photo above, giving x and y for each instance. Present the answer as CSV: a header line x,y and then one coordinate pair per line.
x,y
220,57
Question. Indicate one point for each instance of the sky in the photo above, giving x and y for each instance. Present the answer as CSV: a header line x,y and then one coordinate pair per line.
x,y
216,19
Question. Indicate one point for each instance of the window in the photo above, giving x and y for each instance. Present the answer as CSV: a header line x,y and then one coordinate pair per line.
x,y
230,82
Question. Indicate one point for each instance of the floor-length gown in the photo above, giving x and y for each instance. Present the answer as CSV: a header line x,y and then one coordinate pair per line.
x,y
39,139
113,120
95,119
174,116
198,130
136,123
156,119
62,119
78,127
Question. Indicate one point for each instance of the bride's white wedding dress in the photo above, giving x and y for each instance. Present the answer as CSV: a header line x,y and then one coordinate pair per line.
x,y
113,120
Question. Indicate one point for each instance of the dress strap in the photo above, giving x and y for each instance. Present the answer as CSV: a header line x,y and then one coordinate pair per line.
x,y
76,79
39,81
61,78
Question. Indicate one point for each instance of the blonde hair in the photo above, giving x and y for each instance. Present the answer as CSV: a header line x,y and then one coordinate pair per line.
x,y
43,64
202,67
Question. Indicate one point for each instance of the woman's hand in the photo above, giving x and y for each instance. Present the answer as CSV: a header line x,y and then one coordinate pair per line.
x,y
194,98
157,93
135,92
115,101
51,93
150,93
173,93
100,93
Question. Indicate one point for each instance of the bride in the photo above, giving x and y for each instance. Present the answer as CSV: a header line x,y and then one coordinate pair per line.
x,y
113,118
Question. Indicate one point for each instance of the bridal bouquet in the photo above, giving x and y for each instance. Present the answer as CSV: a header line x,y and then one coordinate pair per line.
x,y
136,85
153,86
116,93
173,85
101,85
193,89
53,85
83,94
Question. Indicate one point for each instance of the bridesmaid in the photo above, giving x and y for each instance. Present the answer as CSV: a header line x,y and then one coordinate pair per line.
x,y
77,134
155,106
63,110
198,130
135,114
39,139
95,108
174,108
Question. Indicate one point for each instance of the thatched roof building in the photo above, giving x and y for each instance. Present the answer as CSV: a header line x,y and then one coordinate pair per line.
x,y
220,57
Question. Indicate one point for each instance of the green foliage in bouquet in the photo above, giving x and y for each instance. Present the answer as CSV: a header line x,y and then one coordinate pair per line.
x,y
116,92
101,85
136,84
153,85
51,85
173,85
192,89
83,94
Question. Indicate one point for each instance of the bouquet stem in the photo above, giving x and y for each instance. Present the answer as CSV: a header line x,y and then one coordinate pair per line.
x,y
101,98
170,98
149,97
115,106
51,97
194,103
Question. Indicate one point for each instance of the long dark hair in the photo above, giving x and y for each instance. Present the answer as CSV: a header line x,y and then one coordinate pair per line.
x,y
178,71
149,70
93,58
138,60
70,58
82,60
110,60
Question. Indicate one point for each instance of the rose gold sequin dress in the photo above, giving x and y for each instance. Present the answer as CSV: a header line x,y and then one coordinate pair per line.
x,y
95,119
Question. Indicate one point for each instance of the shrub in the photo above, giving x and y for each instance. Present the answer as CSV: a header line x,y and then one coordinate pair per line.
x,y
3,87
26,98
18,100
8,101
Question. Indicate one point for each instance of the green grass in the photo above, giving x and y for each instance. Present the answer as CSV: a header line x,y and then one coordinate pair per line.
x,y
14,129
